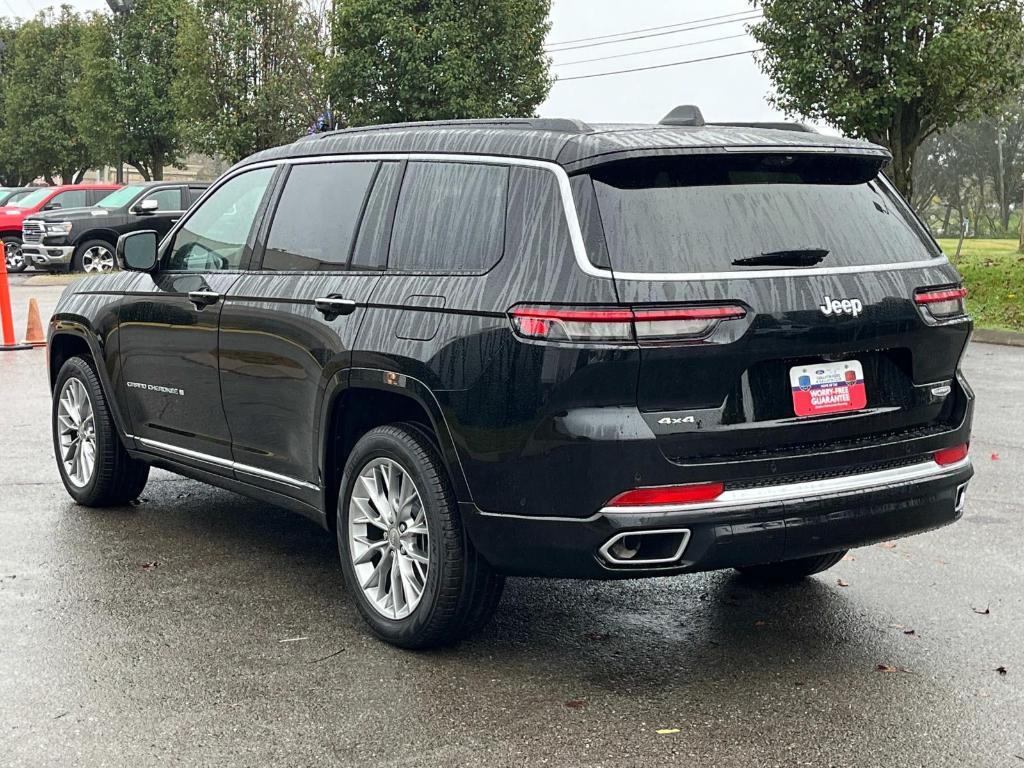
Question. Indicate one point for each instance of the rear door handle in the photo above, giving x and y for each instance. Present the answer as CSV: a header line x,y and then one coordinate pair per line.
x,y
333,306
203,298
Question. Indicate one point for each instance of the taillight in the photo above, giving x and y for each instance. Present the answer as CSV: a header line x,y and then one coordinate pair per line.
x,y
942,303
620,324
668,494
953,455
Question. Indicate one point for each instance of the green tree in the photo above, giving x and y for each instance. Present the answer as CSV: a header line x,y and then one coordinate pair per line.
x,y
40,130
892,71
13,171
122,105
399,60
248,74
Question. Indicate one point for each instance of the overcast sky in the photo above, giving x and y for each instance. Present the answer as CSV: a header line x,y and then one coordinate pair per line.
x,y
725,89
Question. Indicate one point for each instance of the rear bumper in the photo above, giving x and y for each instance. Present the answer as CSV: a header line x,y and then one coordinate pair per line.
x,y
743,527
43,255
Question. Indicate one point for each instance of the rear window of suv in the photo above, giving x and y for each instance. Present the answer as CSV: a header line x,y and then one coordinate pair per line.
x,y
700,213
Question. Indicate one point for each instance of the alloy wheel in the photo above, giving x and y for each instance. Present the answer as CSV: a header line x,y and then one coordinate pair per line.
x,y
98,259
76,426
15,257
388,538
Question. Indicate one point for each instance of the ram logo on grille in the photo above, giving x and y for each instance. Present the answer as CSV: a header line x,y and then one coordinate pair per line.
x,y
32,231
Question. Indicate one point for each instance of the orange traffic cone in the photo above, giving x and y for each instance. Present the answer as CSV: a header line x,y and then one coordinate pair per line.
x,y
34,330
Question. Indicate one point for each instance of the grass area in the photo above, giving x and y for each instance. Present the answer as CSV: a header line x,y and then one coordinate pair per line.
x,y
993,272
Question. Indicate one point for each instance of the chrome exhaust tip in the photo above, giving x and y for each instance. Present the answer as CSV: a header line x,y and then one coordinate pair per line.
x,y
961,498
643,548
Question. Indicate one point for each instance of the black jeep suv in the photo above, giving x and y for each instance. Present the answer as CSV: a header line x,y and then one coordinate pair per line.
x,y
84,239
534,347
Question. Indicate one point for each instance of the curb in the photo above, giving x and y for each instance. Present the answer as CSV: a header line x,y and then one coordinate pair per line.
x,y
50,279
992,336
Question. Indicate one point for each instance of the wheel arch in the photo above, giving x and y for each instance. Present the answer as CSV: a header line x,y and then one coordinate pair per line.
x,y
69,338
106,235
361,399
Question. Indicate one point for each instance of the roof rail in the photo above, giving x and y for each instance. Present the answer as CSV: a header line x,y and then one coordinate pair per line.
x,y
558,124
780,126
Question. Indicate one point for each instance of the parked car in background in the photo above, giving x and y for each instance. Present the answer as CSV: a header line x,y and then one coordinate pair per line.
x,y
43,199
11,195
84,239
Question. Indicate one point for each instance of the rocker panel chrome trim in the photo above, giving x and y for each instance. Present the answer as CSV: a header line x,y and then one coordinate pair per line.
x,y
225,463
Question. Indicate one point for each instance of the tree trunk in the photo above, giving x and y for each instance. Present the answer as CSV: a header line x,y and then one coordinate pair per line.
x,y
901,171
143,172
158,166
80,175
945,219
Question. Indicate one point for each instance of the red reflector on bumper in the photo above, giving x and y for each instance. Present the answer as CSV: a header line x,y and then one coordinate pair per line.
x,y
668,494
948,456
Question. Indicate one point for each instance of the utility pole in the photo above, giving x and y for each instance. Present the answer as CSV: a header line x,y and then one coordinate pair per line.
x,y
119,7
1004,204
1020,242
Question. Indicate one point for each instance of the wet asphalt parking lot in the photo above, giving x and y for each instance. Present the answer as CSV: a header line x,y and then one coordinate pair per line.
x,y
202,628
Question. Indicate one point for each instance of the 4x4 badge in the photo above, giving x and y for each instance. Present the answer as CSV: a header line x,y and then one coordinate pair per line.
x,y
841,307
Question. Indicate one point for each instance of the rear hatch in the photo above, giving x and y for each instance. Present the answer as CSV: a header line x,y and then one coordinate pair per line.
x,y
831,346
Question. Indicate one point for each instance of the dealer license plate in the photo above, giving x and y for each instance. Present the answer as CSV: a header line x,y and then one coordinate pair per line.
x,y
828,388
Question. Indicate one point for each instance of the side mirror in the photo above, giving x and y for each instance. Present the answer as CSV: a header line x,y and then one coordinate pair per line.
x,y
137,250
149,205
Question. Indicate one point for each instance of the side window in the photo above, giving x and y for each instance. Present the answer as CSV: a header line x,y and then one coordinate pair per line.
x,y
371,251
194,193
168,198
73,198
317,215
450,218
215,235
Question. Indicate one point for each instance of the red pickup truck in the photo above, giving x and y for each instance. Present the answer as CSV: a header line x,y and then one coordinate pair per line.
x,y
43,199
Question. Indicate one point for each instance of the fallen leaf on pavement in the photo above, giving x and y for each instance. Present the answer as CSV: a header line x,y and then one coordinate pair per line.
x,y
1001,670
982,611
909,632
849,558
889,668
149,566
995,457
575,703
888,545
842,583
760,623
666,731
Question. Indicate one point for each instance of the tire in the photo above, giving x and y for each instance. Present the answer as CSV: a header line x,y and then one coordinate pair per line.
x,y
13,254
94,256
115,478
791,570
460,590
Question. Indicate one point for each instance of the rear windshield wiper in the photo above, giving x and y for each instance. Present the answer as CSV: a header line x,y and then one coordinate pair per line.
x,y
798,257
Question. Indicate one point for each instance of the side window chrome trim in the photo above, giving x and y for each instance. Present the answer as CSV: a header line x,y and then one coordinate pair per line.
x,y
575,231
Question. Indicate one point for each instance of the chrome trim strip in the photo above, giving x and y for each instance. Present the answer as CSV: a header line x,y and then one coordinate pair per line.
x,y
752,497
610,558
766,273
811,489
569,207
225,463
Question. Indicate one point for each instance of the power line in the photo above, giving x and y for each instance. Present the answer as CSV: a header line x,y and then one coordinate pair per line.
x,y
650,50
646,29
658,66
756,15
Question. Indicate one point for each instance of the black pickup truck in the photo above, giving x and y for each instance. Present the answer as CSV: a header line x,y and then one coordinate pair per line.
x,y
84,239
